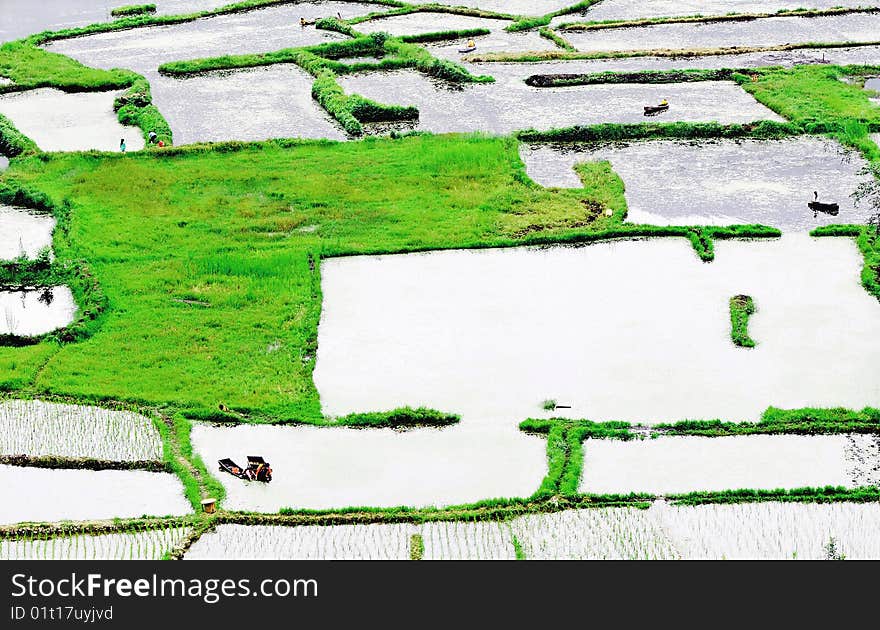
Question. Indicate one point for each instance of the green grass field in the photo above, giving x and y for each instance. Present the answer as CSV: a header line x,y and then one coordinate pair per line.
x,y
210,259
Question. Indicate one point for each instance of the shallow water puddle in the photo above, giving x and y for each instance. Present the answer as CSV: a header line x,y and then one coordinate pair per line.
x,y
509,104
636,331
58,121
207,108
319,468
35,311
24,232
636,9
263,30
425,22
856,27
46,495
335,542
37,428
669,465
721,182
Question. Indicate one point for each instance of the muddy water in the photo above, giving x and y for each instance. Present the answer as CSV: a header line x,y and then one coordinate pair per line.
x,y
35,311
717,182
45,495
876,138
497,41
265,30
635,9
208,107
874,84
4,162
764,32
425,22
58,121
24,231
512,7
636,331
686,464
508,105
315,467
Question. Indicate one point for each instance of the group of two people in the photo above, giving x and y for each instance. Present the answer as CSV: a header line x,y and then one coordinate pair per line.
x,y
153,139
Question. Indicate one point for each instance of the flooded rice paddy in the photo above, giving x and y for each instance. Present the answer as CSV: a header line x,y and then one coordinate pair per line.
x,y
37,428
58,121
151,544
266,542
509,105
637,9
207,108
35,311
669,465
496,41
47,495
513,7
855,27
34,16
636,331
426,22
263,30
24,232
778,531
320,467
717,182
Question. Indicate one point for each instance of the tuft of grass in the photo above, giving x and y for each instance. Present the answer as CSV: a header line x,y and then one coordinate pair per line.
x,y
548,405
133,9
741,308
416,547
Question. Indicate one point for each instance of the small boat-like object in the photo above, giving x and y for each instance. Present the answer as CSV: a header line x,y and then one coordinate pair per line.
x,y
817,206
258,469
467,49
653,110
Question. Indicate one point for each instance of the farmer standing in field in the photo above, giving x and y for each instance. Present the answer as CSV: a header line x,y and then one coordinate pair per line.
x,y
122,145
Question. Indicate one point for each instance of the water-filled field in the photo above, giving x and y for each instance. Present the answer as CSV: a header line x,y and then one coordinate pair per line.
x,y
718,182
150,544
37,428
426,22
206,108
619,330
59,121
30,311
508,105
333,467
636,9
855,27
40,494
24,232
685,464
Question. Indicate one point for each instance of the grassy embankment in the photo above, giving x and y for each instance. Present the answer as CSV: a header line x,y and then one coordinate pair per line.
x,y
741,308
708,19
30,67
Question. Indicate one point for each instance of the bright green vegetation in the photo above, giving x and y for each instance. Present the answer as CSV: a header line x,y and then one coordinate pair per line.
x,y
526,23
554,37
31,67
81,463
828,494
133,9
416,547
218,301
706,19
321,62
741,308
517,548
565,454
